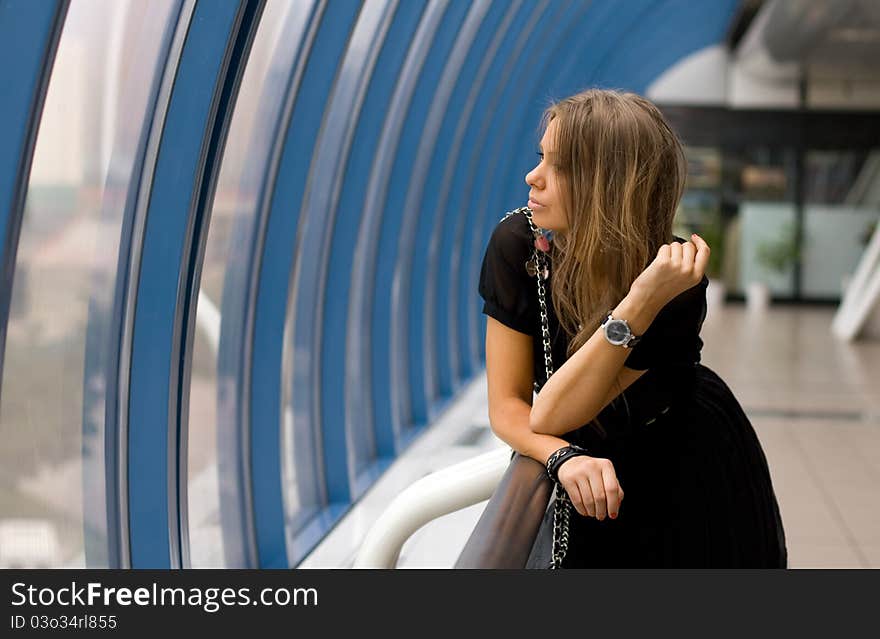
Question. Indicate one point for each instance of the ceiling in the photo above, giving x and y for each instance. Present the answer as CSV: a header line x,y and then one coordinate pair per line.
x,y
824,37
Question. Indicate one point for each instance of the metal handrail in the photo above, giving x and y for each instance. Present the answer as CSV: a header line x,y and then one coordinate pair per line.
x,y
518,491
440,493
506,531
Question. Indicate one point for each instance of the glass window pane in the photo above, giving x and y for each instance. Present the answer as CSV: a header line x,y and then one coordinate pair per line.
x,y
53,493
840,214
837,177
213,539
759,217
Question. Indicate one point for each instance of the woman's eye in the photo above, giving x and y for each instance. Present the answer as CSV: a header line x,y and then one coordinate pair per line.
x,y
539,154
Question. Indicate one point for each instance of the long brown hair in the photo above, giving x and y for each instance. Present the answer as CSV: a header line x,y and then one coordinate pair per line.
x,y
622,173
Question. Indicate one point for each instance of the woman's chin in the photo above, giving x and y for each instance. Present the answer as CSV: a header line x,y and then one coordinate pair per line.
x,y
538,212
540,218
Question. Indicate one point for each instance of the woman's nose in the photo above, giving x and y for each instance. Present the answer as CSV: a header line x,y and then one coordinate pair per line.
x,y
533,179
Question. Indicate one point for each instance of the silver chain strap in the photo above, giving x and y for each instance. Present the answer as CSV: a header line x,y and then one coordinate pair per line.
x,y
562,504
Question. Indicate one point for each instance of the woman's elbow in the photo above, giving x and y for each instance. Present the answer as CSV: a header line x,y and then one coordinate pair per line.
x,y
538,423
553,424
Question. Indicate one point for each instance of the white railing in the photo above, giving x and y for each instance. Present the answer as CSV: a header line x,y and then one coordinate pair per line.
x,y
440,493
862,295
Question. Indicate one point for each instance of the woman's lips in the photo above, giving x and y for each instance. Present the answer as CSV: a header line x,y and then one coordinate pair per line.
x,y
535,204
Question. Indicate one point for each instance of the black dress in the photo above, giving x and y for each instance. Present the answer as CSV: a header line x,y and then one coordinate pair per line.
x,y
697,489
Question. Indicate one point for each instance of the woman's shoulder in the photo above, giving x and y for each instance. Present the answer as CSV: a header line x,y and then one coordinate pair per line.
x,y
514,223
512,238
504,280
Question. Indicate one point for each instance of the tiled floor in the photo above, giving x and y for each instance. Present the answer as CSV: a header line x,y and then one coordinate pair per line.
x,y
814,402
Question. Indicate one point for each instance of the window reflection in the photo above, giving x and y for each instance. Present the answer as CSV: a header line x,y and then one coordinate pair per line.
x,y
53,491
214,498
841,177
842,206
759,248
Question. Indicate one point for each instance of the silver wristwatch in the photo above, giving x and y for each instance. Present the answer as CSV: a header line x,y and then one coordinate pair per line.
x,y
618,332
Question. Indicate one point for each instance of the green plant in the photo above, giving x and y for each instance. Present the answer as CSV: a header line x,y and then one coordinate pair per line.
x,y
780,253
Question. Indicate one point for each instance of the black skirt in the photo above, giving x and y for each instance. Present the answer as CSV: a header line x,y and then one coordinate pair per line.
x,y
697,489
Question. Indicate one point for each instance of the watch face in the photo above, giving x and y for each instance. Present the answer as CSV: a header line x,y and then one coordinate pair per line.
x,y
617,331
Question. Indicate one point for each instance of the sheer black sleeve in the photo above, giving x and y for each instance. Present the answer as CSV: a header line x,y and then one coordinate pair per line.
x,y
674,336
509,294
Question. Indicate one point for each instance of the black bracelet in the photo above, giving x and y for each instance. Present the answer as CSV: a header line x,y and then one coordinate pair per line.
x,y
561,456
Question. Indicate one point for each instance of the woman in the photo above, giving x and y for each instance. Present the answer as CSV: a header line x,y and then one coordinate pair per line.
x,y
627,406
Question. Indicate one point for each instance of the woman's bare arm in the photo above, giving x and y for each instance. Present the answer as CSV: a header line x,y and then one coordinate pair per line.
x,y
509,377
586,382
575,393
510,380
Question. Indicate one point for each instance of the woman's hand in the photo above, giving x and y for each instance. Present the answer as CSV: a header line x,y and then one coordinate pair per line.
x,y
592,486
676,268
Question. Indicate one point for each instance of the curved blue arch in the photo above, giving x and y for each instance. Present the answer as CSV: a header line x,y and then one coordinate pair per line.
x,y
515,153
695,25
342,333
390,384
532,60
182,185
239,435
468,165
372,399
263,418
29,35
310,84
104,358
439,381
439,275
587,34
410,271
315,386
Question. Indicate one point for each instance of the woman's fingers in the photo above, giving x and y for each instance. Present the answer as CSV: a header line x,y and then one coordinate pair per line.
x,y
593,489
597,485
575,497
701,261
688,253
663,252
675,255
589,504
613,493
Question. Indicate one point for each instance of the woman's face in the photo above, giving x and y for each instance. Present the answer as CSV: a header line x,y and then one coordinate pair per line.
x,y
545,198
